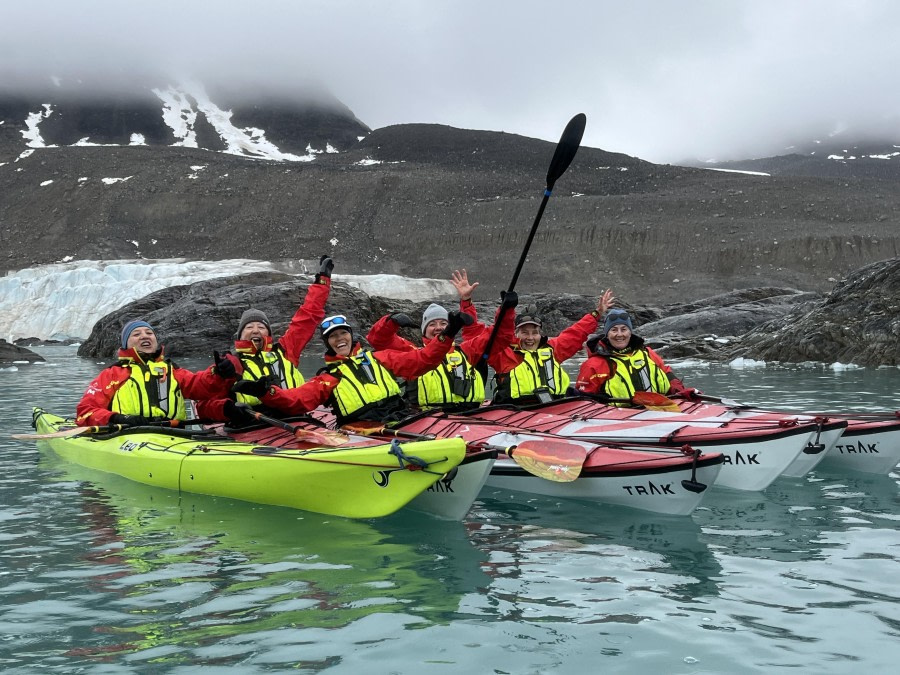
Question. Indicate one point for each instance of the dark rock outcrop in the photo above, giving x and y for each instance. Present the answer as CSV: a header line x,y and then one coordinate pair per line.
x,y
858,322
202,317
10,353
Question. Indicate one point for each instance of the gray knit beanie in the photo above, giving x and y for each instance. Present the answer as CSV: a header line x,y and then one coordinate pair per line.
x,y
252,315
432,313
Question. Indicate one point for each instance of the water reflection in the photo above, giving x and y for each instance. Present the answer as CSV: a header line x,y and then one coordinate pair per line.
x,y
788,521
558,560
184,572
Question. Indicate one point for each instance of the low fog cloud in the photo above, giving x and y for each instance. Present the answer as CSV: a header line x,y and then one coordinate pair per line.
x,y
661,80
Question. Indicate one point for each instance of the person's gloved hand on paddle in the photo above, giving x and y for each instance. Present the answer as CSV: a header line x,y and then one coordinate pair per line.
x,y
455,322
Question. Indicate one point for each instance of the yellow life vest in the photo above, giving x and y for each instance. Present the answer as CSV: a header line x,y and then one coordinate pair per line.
x,y
454,381
364,384
150,391
273,367
538,370
635,371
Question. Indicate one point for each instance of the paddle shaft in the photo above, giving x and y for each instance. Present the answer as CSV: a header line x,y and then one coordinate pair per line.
x,y
107,429
413,436
309,434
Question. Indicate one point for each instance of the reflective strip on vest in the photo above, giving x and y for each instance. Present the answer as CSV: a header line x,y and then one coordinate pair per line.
x,y
271,366
150,391
538,369
635,372
363,383
454,381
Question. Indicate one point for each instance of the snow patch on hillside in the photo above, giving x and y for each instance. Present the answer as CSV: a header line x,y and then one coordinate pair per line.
x,y
249,141
32,131
179,115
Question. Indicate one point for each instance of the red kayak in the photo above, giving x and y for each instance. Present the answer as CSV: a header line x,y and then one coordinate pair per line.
x,y
756,452
870,443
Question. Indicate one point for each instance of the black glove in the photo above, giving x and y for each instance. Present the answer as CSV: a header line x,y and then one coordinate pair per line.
x,y
225,367
257,388
509,299
402,320
237,413
455,321
118,419
326,264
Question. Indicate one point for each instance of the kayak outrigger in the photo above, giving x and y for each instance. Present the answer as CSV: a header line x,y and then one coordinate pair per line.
x,y
368,478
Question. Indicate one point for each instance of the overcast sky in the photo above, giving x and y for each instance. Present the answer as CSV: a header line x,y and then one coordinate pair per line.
x,y
664,80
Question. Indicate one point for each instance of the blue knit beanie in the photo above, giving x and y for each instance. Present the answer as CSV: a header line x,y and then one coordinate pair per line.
x,y
617,317
130,326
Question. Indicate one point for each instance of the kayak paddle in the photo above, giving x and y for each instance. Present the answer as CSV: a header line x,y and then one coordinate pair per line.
x,y
559,461
315,436
562,158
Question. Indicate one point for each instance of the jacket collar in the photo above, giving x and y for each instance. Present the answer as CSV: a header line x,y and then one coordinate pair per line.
x,y
247,346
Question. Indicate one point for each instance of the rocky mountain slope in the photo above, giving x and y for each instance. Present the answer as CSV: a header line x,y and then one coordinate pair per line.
x,y
417,200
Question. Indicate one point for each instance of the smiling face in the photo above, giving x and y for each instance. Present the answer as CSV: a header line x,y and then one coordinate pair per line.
x,y
529,336
341,341
142,340
619,336
255,332
435,328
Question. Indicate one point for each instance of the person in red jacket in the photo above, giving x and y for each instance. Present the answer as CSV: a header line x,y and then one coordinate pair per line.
x,y
620,364
358,384
529,370
145,386
456,384
273,362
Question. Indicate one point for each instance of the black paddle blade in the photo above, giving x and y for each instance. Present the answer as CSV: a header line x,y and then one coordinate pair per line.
x,y
566,148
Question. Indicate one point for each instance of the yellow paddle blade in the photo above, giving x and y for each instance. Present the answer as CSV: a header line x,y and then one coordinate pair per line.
x,y
364,428
323,437
653,401
558,461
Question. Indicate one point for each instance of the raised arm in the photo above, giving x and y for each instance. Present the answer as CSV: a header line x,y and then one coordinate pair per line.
x,y
464,289
308,316
569,342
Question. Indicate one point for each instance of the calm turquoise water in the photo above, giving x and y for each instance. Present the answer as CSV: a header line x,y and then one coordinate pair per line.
x,y
101,575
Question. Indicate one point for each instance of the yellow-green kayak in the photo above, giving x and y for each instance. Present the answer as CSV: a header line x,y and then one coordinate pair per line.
x,y
364,480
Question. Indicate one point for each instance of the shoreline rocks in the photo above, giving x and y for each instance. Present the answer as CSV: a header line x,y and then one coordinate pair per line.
x,y
858,322
12,353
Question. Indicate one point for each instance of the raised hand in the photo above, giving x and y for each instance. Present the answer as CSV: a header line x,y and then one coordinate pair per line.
x,y
326,265
455,321
460,280
402,320
605,302
227,365
509,299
